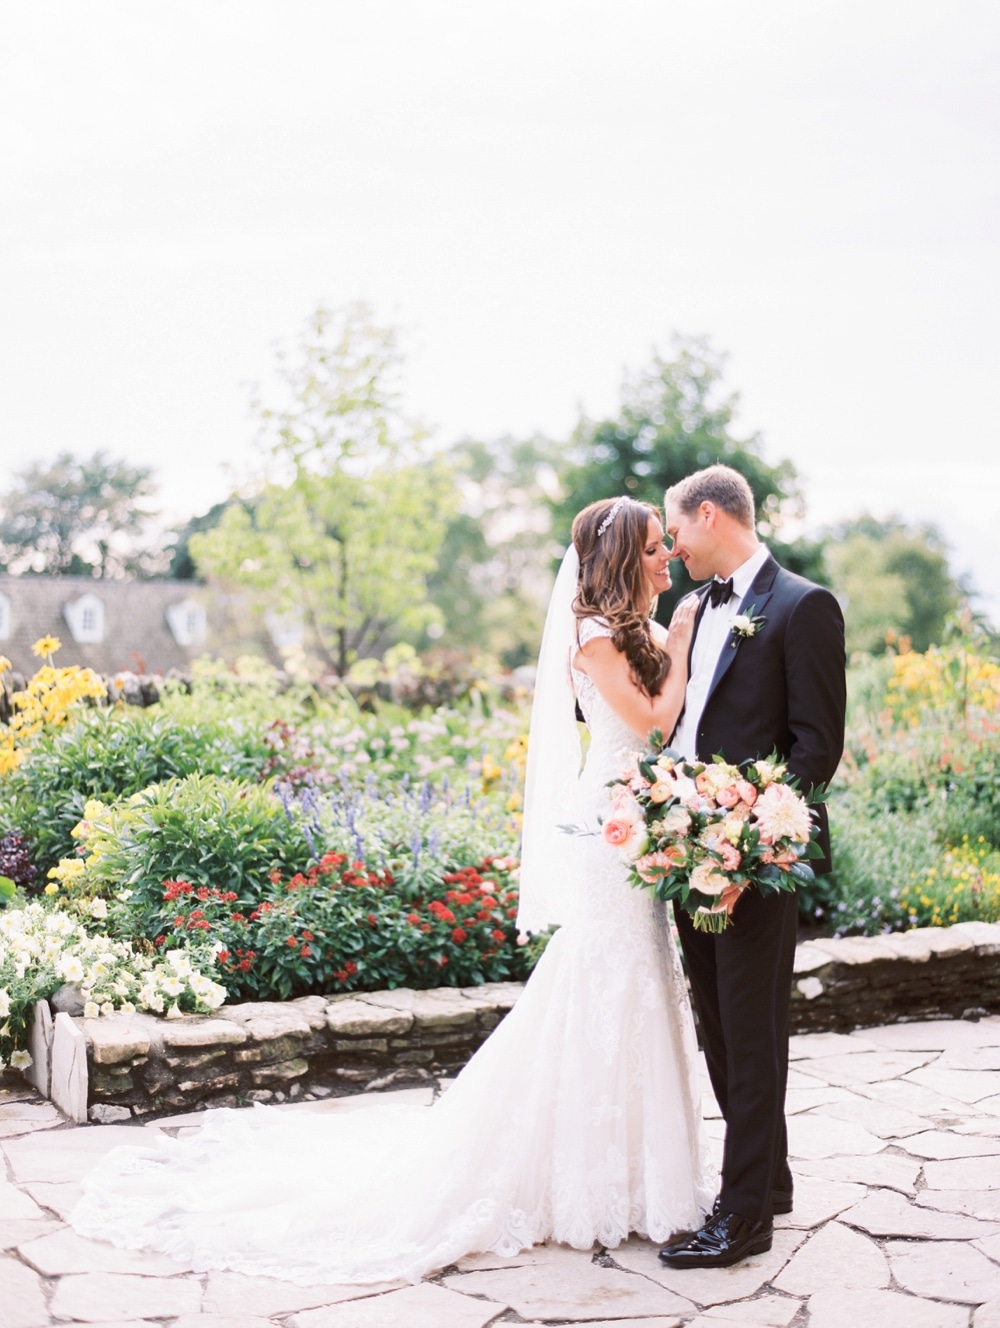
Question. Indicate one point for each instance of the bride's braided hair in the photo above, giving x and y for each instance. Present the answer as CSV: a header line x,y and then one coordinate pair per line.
x,y
610,536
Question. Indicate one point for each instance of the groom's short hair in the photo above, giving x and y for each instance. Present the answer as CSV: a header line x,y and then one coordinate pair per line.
x,y
721,485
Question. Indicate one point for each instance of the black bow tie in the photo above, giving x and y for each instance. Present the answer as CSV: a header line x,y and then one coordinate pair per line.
x,y
720,592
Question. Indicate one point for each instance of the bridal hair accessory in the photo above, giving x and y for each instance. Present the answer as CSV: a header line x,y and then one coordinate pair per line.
x,y
611,516
554,757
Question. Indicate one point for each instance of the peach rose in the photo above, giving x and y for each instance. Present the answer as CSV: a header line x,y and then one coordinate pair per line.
x,y
661,791
746,791
617,831
727,797
629,837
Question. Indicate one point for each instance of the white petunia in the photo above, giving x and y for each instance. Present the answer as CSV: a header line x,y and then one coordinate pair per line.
x,y
179,961
4,1003
91,1010
20,1060
171,986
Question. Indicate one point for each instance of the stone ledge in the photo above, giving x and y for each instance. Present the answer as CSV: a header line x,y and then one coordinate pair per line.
x,y
921,974
281,1050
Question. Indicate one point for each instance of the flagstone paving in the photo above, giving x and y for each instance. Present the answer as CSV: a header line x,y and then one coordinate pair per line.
x,y
895,1138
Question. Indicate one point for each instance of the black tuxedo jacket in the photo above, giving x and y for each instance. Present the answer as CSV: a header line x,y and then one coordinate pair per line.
x,y
783,688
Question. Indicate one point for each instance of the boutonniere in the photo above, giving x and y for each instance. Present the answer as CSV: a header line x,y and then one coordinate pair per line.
x,y
745,625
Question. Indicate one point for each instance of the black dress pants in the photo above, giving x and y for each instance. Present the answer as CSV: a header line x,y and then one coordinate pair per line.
x,y
741,981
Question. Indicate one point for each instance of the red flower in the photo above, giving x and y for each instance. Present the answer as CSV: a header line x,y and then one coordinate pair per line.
x,y
459,935
413,918
305,952
203,892
372,919
308,936
498,935
463,898
274,877
223,956
291,942
237,917
350,968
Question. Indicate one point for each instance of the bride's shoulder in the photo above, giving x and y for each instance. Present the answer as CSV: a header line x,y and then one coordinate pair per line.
x,y
588,629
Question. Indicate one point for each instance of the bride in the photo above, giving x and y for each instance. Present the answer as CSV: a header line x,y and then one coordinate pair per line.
x,y
578,1120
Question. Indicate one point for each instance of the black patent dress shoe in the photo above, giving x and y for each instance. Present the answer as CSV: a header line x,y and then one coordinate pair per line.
x,y
725,1239
781,1202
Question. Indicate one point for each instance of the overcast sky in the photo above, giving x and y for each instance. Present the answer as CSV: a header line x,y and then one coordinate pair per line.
x,y
538,192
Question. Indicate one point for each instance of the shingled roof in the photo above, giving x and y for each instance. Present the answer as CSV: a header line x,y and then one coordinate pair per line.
x,y
136,633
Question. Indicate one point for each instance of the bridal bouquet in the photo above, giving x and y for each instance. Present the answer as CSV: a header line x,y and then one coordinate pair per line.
x,y
702,834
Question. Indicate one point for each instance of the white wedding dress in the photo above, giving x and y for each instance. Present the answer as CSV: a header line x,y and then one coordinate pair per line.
x,y
577,1121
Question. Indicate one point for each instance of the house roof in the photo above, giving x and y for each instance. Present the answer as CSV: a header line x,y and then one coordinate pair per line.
x,y
136,635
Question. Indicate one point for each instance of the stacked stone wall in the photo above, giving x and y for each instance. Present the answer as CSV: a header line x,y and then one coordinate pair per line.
x,y
122,1067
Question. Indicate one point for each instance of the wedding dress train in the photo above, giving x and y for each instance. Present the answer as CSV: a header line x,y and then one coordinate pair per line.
x,y
577,1121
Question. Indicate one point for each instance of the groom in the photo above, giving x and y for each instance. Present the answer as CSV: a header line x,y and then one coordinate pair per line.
x,y
782,687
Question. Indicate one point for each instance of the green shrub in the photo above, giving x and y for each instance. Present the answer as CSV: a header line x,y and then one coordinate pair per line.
x,y
112,754
205,829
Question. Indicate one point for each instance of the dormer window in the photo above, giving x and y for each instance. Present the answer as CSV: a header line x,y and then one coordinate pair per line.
x,y
4,618
85,619
188,622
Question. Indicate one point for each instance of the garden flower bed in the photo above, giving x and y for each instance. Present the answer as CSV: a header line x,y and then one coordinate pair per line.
x,y
243,845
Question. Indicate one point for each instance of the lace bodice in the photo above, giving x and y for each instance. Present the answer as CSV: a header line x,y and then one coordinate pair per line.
x,y
611,739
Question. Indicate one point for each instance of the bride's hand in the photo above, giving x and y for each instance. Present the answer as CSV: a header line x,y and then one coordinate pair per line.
x,y
681,628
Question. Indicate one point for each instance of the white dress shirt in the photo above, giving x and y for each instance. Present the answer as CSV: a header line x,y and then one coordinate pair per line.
x,y
713,631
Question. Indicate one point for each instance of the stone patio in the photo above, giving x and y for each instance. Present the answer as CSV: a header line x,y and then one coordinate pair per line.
x,y
895,1138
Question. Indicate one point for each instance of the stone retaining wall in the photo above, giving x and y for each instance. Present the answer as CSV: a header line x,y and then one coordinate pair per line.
x,y
123,1066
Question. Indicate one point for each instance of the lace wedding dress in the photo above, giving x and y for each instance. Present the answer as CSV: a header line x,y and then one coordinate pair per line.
x,y
577,1121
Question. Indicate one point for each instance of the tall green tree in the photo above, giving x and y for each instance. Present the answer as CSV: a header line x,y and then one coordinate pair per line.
x,y
80,516
894,581
344,524
675,418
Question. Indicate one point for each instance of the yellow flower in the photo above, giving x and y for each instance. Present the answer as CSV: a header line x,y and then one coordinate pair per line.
x,y
52,888
5,664
46,645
